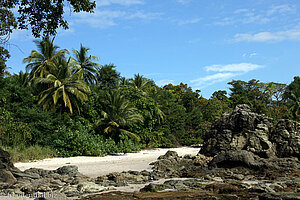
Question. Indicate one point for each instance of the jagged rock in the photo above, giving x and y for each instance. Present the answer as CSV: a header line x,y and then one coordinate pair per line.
x,y
286,136
70,170
168,155
28,175
5,161
90,187
201,160
246,130
238,158
7,177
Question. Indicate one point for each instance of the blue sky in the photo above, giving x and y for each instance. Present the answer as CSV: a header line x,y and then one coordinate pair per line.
x,y
203,43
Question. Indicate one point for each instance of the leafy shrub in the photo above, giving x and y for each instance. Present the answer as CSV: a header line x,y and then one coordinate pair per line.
x,y
25,154
13,133
77,140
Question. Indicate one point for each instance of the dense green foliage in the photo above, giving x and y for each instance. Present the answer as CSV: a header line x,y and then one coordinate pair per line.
x,y
42,17
75,106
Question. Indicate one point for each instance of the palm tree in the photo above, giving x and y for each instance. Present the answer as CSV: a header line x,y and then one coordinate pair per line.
x,y
117,115
139,81
156,112
85,63
64,87
123,81
42,62
295,107
107,76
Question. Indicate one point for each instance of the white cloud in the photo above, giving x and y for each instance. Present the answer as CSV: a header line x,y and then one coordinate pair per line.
x,y
250,55
189,21
164,82
226,72
107,18
262,16
280,9
241,67
211,79
120,2
292,34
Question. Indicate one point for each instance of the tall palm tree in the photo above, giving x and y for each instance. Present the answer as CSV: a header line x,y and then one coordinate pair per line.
x,y
117,115
295,107
86,63
64,87
156,112
140,82
43,61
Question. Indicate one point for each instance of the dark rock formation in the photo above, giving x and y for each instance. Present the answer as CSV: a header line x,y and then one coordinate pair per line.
x,y
246,130
286,137
236,158
5,161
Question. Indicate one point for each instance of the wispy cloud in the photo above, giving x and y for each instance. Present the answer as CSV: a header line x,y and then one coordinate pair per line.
x,y
211,79
250,55
107,18
292,34
120,2
225,72
241,67
247,16
189,21
183,1
164,82
281,9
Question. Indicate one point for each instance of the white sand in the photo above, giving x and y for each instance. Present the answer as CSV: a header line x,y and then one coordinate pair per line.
x,y
97,166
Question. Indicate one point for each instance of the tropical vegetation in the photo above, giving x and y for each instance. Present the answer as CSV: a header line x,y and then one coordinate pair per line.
x,y
67,104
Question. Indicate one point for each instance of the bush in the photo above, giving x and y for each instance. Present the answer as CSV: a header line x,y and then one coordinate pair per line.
x,y
77,140
25,154
13,133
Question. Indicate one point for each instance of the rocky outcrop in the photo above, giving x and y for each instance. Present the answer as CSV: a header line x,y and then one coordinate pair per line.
x,y
236,158
5,161
246,130
286,137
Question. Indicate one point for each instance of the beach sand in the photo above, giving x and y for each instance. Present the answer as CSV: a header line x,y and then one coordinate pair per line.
x,y
97,166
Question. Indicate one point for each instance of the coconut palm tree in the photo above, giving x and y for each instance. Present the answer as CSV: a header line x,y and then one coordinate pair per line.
x,y
64,87
41,62
139,82
295,107
117,115
86,63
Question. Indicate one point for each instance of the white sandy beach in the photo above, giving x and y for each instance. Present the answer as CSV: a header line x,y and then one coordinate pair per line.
x,y
97,166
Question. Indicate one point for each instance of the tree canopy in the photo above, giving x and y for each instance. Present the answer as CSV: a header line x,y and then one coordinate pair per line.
x,y
42,17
